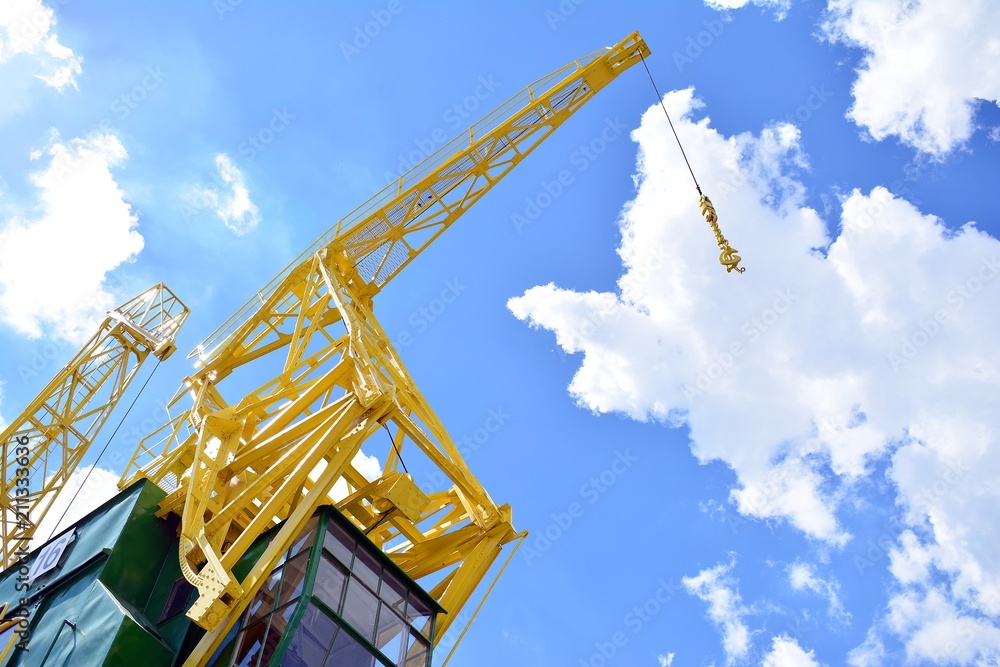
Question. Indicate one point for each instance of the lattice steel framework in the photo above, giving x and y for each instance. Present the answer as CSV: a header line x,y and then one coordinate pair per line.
x,y
46,442
235,468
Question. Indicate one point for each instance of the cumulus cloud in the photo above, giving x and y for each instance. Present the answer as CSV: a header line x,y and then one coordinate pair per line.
x,y
368,466
912,48
779,6
53,263
91,486
940,632
665,660
871,653
786,652
231,199
827,356
27,28
717,587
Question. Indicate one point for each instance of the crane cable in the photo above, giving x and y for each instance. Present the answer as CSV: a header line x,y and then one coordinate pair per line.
x,y
520,539
728,257
83,482
392,441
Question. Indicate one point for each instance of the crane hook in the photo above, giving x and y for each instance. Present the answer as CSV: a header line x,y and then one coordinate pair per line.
x,y
728,257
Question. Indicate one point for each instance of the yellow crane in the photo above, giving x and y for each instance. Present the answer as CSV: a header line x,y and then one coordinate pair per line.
x,y
46,442
235,464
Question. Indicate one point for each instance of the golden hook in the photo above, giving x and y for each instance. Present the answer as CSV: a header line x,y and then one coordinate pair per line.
x,y
728,257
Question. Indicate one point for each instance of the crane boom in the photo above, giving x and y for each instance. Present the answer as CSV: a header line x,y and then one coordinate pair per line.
x,y
46,442
384,234
232,470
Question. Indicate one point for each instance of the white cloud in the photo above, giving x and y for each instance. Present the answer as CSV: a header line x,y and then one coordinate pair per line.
x,y
368,466
27,28
53,264
101,485
234,207
665,660
871,653
802,576
725,607
927,65
780,6
910,561
940,632
826,356
786,652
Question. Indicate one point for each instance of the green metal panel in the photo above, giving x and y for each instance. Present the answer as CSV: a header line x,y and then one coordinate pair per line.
x,y
134,647
50,634
89,611
96,532
83,624
143,543
175,629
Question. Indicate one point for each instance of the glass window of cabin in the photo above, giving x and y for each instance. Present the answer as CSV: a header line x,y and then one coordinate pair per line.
x,y
339,542
347,652
392,632
368,569
393,592
249,644
279,622
416,654
360,608
295,575
305,538
263,602
419,615
309,645
330,580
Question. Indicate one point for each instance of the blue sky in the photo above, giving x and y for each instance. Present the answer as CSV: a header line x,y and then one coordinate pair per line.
x,y
796,466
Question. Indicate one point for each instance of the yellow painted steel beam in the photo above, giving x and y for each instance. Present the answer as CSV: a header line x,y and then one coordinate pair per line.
x,y
46,442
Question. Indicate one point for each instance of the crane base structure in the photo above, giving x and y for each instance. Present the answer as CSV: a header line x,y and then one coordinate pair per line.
x,y
109,591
